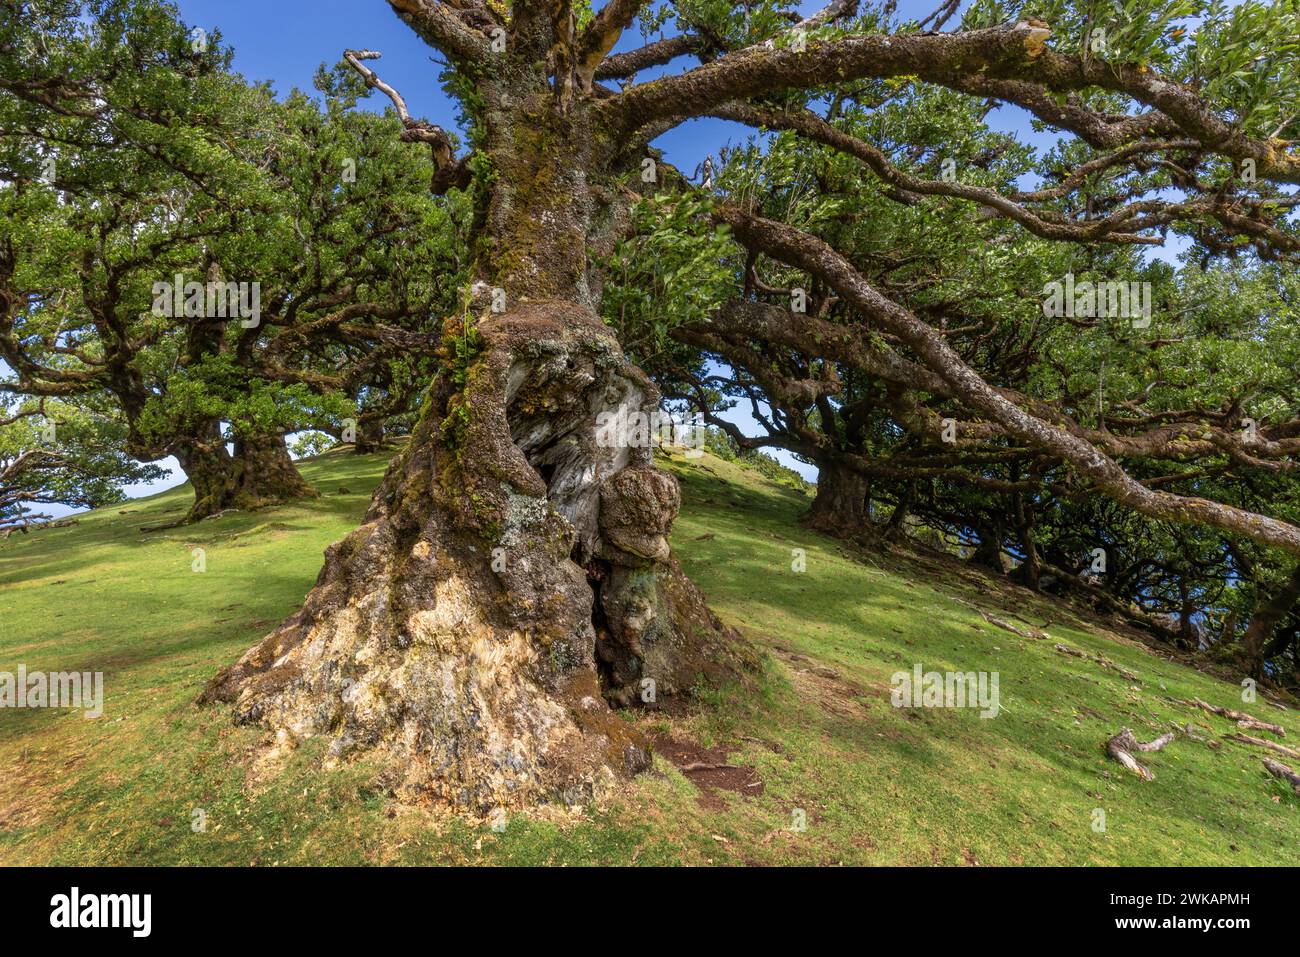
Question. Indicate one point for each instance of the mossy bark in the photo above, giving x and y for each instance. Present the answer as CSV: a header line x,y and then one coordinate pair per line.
x,y
511,579
263,469
260,473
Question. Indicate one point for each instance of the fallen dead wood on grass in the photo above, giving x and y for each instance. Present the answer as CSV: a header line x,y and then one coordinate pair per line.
x,y
1280,770
1261,743
1005,625
1122,746
1243,720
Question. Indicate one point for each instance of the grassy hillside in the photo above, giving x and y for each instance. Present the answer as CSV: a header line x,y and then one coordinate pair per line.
x,y
815,733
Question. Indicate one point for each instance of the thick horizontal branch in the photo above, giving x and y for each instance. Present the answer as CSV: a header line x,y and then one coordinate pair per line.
x,y
961,61
622,65
757,70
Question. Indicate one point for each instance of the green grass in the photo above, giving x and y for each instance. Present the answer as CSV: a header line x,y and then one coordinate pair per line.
x,y
878,785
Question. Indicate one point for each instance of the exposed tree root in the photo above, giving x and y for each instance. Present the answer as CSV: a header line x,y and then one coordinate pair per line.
x,y
1243,720
1280,770
1122,746
1096,659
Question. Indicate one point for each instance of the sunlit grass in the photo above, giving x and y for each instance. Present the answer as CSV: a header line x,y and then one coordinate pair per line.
x,y
876,784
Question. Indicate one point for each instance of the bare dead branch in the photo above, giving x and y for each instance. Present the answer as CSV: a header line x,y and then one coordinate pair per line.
x,y
448,171
1280,770
1262,743
1096,659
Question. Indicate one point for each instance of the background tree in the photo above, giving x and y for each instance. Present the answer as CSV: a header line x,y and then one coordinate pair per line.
x,y
54,453
226,267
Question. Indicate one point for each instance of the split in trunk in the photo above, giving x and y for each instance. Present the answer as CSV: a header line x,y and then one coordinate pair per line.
x,y
511,579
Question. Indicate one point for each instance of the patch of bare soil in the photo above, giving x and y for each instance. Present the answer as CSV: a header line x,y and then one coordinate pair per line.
x,y
823,685
31,791
709,770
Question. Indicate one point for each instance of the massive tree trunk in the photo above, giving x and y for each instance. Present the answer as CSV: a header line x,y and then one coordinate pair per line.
x,y
512,578
259,474
264,470
840,506
370,437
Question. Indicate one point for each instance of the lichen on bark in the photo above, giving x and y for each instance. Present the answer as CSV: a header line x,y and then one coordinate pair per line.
x,y
474,631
